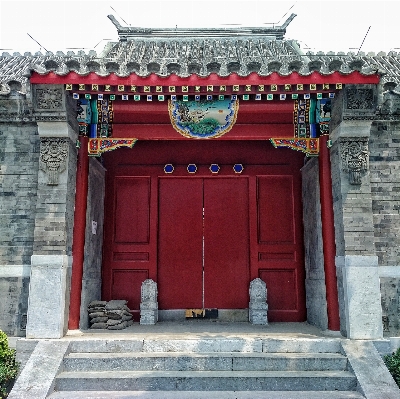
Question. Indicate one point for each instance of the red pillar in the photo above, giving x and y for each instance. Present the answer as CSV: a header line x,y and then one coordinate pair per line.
x,y
328,234
78,241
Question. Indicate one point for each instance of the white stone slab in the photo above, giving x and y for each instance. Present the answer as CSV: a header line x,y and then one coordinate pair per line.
x,y
37,378
48,304
15,271
389,271
362,297
56,129
373,377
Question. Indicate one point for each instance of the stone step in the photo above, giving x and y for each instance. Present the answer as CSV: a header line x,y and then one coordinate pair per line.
x,y
208,344
177,361
206,381
206,395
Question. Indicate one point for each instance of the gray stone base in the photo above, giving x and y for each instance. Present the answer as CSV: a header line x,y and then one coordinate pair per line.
x,y
258,316
148,317
361,296
48,296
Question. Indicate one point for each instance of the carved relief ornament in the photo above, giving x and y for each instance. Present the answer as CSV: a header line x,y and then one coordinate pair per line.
x,y
391,104
50,98
53,158
354,154
360,99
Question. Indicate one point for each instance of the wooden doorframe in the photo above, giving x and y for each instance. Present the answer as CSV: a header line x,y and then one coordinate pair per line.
x,y
278,162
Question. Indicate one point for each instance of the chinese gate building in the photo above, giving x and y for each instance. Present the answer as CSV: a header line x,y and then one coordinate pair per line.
x,y
200,159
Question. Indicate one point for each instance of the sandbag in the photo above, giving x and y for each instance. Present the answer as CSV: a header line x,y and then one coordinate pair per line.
x,y
116,304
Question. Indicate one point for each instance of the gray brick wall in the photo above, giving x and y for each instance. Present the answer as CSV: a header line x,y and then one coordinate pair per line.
x,y
354,231
390,291
384,160
55,210
19,152
13,305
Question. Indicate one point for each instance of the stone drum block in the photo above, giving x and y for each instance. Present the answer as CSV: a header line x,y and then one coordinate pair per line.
x,y
258,306
149,304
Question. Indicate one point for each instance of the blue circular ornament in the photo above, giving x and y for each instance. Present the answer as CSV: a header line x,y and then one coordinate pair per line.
x,y
168,168
238,168
214,168
192,168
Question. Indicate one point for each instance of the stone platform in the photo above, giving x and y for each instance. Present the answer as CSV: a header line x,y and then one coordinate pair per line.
x,y
205,359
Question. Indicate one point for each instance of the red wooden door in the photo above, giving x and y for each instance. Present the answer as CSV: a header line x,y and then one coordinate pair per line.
x,y
252,226
180,243
226,243
203,255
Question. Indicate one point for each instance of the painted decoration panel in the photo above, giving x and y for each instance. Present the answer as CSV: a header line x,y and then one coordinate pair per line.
x,y
203,119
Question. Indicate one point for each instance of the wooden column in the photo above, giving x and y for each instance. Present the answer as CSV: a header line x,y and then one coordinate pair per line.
x,y
78,241
328,235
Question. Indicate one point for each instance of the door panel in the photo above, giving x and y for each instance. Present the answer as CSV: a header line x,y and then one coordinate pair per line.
x,y
275,209
280,248
126,284
132,210
226,243
154,225
281,296
180,243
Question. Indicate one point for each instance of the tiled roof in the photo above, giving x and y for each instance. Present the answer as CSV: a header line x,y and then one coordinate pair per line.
x,y
189,51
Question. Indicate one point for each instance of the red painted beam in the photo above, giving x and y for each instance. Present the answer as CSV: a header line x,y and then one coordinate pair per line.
x,y
156,112
328,234
78,241
213,79
167,132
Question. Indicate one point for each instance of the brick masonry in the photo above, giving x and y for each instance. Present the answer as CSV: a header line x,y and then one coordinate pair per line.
x,y
354,231
19,152
384,149
55,210
384,160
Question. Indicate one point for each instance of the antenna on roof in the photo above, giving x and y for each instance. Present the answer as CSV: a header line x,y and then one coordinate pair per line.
x,y
36,42
100,42
363,40
287,12
126,23
284,15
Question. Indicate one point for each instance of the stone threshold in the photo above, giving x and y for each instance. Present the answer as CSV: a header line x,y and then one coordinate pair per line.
x,y
208,327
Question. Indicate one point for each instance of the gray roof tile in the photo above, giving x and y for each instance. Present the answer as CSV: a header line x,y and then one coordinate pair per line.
x,y
197,51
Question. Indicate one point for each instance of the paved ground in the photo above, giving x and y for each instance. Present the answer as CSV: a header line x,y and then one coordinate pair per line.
x,y
202,328
209,328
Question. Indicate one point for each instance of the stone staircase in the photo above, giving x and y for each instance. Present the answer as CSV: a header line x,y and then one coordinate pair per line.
x,y
206,367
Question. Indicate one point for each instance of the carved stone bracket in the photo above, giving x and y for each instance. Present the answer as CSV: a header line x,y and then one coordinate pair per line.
x,y
53,158
360,102
49,98
391,105
360,99
354,154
